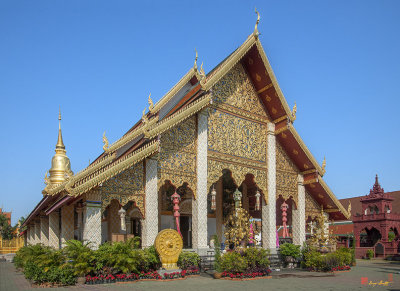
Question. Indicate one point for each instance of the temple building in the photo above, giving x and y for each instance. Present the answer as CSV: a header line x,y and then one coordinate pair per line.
x,y
374,224
209,136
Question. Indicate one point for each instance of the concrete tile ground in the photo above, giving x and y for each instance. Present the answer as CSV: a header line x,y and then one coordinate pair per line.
x,y
374,270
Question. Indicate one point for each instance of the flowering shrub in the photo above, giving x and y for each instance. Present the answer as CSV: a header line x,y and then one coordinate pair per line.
x,y
315,261
245,275
341,268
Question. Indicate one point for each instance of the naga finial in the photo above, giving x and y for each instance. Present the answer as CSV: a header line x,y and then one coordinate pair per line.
x,y
105,142
151,104
323,166
195,60
144,117
258,21
202,73
294,111
46,179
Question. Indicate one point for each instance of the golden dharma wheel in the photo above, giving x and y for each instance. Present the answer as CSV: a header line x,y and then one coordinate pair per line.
x,y
169,245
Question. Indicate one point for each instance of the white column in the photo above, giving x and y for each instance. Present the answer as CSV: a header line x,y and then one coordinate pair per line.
x,y
67,224
269,210
199,205
37,231
92,219
54,229
150,223
299,215
44,230
28,234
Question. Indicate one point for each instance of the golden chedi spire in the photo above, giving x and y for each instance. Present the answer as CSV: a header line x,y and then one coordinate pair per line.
x,y
60,164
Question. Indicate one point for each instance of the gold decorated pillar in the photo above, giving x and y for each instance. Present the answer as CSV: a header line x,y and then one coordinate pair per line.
x,y
269,210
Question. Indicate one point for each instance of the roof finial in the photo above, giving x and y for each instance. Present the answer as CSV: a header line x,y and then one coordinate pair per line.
x,y
151,104
60,143
258,21
323,166
195,60
294,111
105,142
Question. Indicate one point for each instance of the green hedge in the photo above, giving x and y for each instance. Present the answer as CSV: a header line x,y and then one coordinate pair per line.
x,y
248,260
44,264
316,261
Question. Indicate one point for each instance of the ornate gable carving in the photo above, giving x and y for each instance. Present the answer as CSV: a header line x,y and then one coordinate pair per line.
x,y
236,136
124,187
286,175
235,89
177,157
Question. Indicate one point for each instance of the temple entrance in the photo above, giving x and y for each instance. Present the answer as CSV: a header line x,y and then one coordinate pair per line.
x,y
185,224
221,204
379,250
136,228
368,238
166,217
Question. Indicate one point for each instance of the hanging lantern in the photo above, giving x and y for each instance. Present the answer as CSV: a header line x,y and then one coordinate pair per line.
x,y
258,195
213,199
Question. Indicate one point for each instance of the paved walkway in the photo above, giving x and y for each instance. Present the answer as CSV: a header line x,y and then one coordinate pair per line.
x,y
375,271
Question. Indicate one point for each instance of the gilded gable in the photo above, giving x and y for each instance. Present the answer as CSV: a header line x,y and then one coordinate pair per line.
x,y
124,187
177,157
286,175
236,89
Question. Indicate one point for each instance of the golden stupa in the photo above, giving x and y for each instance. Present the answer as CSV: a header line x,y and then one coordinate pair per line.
x,y
60,165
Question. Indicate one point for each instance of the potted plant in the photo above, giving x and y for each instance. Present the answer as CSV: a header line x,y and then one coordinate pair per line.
x,y
290,252
217,258
370,254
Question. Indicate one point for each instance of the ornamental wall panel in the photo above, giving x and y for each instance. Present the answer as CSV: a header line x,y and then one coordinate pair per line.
x,y
124,187
286,175
67,224
92,223
37,232
54,229
44,230
177,157
235,136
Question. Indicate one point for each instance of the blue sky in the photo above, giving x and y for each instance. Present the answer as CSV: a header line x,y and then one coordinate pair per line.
x,y
98,60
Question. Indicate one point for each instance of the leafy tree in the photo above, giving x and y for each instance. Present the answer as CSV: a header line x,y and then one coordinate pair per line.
x,y
7,231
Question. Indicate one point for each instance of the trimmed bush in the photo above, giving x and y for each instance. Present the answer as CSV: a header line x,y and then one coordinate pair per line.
x,y
290,250
256,258
188,260
233,262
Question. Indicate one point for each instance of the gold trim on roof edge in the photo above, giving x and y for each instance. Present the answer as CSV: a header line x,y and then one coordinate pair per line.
x,y
141,129
179,116
115,168
182,82
228,64
333,197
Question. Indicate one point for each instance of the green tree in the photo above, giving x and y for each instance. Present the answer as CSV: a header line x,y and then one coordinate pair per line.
x,y
7,231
